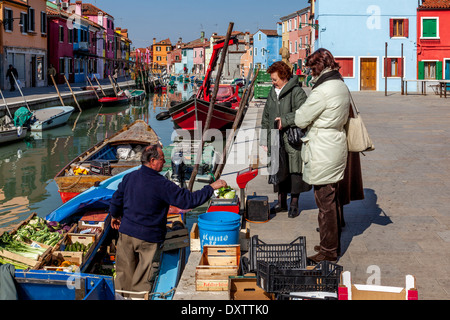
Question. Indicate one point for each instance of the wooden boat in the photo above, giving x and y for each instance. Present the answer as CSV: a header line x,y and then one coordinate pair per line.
x,y
186,114
9,133
105,159
114,101
137,95
48,118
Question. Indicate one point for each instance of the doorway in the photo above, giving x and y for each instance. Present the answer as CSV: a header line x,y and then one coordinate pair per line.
x,y
368,74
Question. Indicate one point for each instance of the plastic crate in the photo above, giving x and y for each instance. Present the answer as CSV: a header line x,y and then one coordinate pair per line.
x,y
263,76
325,276
291,255
262,91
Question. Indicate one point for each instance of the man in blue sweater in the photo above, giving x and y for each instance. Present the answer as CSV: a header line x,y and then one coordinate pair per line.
x,y
139,210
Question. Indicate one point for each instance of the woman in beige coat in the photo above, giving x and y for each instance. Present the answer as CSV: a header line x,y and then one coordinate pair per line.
x,y
324,151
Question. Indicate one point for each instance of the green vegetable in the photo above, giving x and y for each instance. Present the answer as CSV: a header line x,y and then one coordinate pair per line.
x,y
230,195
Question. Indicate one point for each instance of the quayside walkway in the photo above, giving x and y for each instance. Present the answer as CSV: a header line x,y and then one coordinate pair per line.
x,y
403,224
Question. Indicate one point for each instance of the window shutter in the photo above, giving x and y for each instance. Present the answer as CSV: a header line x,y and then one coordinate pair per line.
x,y
317,29
400,67
438,70
391,27
387,67
421,70
406,27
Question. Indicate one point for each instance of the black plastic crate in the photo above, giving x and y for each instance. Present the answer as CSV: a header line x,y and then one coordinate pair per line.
x,y
279,278
292,255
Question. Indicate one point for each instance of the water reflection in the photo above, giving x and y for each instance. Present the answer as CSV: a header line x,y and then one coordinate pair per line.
x,y
27,168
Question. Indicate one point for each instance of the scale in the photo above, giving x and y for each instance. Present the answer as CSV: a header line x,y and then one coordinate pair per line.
x,y
237,204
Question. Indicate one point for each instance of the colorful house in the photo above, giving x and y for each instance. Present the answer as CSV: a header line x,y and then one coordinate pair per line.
x,y
266,47
174,58
373,28
23,41
433,40
296,35
160,50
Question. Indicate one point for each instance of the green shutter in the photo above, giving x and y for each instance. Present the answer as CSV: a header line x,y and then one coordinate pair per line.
x,y
438,70
429,28
421,70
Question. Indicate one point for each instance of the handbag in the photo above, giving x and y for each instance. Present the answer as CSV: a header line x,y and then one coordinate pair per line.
x,y
294,136
358,139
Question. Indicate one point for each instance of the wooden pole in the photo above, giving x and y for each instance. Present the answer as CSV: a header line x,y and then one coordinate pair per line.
x,y
95,77
114,87
74,98
95,89
143,82
211,105
57,90
385,69
21,93
403,71
242,107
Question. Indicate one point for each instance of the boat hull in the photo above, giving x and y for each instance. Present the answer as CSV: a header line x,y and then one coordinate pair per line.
x,y
11,135
114,101
186,114
53,117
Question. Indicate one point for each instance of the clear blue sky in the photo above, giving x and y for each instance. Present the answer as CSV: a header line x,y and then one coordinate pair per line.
x,y
162,19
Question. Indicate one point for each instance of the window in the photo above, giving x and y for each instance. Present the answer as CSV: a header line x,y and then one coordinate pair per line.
x,y
431,70
23,22
61,34
394,67
8,21
43,22
62,65
399,28
346,65
70,36
430,28
158,58
256,51
158,48
262,51
259,37
70,64
296,47
31,20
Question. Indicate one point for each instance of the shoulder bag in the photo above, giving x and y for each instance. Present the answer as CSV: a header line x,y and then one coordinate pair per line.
x,y
358,139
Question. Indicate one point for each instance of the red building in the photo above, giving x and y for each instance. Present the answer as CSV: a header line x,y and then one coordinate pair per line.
x,y
433,39
60,40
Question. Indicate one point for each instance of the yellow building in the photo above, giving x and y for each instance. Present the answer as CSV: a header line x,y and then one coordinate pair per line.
x,y
23,41
160,51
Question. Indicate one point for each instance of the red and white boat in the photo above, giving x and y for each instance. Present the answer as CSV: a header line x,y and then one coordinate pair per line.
x,y
186,114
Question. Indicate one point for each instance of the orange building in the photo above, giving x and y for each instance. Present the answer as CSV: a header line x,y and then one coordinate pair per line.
x,y
23,41
160,51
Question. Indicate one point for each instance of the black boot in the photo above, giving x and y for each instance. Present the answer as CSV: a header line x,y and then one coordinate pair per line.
x,y
293,209
281,204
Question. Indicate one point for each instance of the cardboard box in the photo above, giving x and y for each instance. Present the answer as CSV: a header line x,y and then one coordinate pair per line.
x,y
245,288
216,265
349,291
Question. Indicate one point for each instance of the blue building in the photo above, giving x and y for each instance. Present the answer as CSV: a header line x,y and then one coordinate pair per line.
x,y
81,47
266,47
356,33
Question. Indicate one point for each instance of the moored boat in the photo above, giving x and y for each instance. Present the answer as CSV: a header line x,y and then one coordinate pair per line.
x,y
105,159
186,114
48,118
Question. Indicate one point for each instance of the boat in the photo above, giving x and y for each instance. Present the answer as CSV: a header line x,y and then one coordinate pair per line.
x,y
51,284
9,132
48,118
122,98
186,114
105,159
137,95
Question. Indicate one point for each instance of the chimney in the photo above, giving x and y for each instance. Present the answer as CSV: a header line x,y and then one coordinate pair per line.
x,y
78,5
154,40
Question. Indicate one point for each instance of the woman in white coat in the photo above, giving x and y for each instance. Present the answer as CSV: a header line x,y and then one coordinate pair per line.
x,y
324,151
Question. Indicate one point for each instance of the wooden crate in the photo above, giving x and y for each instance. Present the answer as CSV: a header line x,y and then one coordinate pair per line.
x,y
216,265
176,240
245,288
195,238
60,256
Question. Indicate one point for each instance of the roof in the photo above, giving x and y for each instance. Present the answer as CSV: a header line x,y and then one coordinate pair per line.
x,y
164,42
435,4
269,32
89,9
19,2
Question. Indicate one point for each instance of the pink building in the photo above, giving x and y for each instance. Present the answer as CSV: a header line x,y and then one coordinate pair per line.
x,y
297,36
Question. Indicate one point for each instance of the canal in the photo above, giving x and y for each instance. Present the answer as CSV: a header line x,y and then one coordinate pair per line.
x,y
27,168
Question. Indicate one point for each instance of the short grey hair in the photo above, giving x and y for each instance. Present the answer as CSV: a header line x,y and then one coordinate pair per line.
x,y
150,152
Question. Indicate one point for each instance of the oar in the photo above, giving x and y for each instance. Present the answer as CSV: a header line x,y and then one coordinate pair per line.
x,y
6,105
18,87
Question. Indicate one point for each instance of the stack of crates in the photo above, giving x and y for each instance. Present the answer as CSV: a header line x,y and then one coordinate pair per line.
x,y
263,84
283,269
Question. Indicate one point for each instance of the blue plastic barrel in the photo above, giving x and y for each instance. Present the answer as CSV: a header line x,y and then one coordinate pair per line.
x,y
219,228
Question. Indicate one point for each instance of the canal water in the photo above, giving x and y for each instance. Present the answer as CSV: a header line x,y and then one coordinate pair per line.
x,y
27,168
